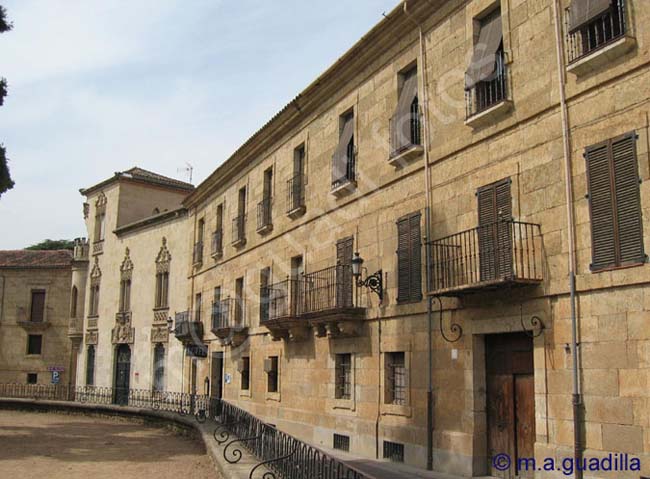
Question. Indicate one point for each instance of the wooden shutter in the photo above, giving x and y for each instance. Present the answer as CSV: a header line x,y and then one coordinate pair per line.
x,y
494,232
38,306
344,272
409,258
614,203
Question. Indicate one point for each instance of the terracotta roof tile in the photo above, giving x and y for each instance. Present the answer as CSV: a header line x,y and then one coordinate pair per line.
x,y
35,259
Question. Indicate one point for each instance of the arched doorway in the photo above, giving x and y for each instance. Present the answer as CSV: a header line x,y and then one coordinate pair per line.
x,y
122,374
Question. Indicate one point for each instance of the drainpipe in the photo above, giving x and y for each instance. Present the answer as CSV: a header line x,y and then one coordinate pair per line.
x,y
427,231
577,396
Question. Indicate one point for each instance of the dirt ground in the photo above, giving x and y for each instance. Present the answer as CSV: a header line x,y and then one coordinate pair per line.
x,y
60,446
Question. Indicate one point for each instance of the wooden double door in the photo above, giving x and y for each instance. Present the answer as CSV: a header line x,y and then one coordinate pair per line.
x,y
510,401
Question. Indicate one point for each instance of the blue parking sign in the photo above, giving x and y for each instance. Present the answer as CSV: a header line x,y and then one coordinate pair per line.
x,y
56,376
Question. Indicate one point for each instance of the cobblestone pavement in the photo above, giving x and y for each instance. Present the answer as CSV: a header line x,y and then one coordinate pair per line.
x,y
58,446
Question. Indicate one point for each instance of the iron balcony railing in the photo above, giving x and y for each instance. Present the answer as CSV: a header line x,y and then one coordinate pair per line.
x,y
197,256
239,229
505,251
282,299
296,193
350,173
488,93
599,32
217,242
188,329
328,289
414,120
228,313
264,214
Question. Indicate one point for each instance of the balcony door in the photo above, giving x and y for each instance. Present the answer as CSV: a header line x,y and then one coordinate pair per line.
x,y
495,230
344,272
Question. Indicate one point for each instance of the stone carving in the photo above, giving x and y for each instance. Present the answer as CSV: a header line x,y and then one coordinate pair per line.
x,y
92,337
86,210
95,273
126,269
101,201
123,333
159,334
163,259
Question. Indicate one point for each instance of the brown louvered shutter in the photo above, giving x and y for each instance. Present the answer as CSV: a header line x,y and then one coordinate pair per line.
x,y
628,200
614,203
494,232
344,272
409,258
38,306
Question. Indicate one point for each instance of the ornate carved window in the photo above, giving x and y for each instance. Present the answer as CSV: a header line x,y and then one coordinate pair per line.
x,y
100,218
126,272
95,279
162,276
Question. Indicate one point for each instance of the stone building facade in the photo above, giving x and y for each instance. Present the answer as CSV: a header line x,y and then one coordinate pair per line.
x,y
488,160
34,314
338,367
136,280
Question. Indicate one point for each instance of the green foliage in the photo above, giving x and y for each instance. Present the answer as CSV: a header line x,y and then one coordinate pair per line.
x,y
6,183
49,244
5,26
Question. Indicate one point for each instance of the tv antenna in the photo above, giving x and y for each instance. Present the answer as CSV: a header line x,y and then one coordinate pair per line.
x,y
187,169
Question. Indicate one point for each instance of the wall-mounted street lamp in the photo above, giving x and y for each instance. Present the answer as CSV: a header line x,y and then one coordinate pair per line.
x,y
374,282
170,324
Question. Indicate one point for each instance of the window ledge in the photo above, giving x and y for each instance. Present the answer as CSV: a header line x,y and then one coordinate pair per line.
x,y
265,229
406,155
245,393
602,56
239,243
489,115
396,410
273,397
343,404
34,325
217,255
345,188
296,212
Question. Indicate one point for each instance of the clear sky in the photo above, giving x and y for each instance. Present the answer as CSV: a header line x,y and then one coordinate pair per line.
x,y
98,86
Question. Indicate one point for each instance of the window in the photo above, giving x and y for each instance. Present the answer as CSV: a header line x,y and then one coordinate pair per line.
x,y
239,301
74,298
271,367
162,289
245,372
198,306
343,161
159,367
264,208
265,279
100,228
405,122
34,344
341,442
239,222
343,371
396,378
393,451
37,310
94,300
90,366
344,296
615,203
32,378
217,237
198,246
485,79
125,295
296,185
409,260
593,24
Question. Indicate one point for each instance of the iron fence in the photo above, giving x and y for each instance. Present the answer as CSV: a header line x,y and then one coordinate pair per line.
x,y
227,314
488,93
501,251
296,193
327,289
597,33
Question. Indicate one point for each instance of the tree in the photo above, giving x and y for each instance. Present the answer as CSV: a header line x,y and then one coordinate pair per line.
x,y
49,244
6,183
